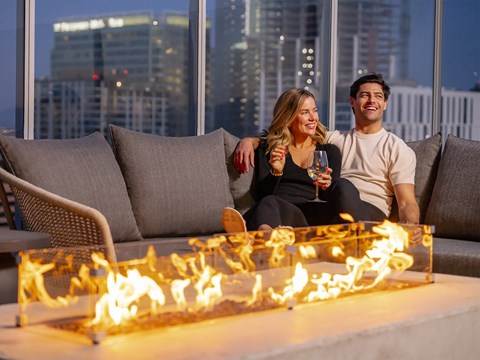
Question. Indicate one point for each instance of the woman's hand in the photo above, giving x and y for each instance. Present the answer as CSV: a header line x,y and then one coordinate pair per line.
x,y
277,159
324,180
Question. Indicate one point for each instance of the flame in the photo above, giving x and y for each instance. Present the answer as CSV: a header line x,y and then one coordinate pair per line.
x,y
178,287
193,276
347,217
180,264
32,282
337,251
300,279
307,251
294,286
256,291
119,303
208,287
384,255
279,239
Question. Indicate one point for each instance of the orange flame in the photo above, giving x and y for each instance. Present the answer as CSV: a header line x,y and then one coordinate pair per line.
x,y
194,275
279,239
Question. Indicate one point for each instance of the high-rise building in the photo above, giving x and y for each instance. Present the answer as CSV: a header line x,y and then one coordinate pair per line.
x,y
236,66
131,70
263,47
374,37
283,44
409,113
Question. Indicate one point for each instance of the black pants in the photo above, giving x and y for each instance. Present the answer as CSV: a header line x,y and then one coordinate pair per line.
x,y
342,197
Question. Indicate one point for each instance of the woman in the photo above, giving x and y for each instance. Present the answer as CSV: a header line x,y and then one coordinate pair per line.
x,y
282,186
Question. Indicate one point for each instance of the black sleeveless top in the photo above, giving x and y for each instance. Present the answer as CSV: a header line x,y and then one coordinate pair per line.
x,y
294,185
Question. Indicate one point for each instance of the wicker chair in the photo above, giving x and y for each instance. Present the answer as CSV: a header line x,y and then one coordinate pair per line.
x,y
69,223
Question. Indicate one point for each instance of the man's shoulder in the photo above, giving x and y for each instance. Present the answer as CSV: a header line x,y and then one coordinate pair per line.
x,y
336,135
399,147
395,139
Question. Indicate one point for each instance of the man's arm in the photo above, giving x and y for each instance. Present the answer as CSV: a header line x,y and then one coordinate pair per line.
x,y
244,154
408,209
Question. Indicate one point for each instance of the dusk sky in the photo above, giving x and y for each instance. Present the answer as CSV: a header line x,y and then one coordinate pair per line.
x,y
461,52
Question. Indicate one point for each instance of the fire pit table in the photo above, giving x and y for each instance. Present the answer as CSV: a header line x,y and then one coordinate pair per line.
x,y
437,321
80,291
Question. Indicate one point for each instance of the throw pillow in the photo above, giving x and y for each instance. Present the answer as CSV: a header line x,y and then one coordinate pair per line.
x,y
83,170
428,154
239,183
177,185
455,205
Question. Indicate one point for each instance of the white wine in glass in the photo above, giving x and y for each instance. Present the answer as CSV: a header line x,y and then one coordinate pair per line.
x,y
317,165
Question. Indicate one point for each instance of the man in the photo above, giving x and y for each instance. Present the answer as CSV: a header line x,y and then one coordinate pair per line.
x,y
377,162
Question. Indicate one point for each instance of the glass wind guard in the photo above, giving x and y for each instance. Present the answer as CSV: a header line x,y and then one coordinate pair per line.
x,y
169,282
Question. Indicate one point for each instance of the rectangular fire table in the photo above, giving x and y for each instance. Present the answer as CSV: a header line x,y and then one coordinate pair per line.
x,y
349,290
435,321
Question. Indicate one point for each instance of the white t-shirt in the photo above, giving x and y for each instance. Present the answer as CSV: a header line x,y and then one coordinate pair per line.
x,y
374,163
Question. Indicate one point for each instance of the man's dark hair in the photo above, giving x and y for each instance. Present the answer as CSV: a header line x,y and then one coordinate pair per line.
x,y
370,78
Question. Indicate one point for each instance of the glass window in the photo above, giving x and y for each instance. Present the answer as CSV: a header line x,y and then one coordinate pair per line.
x,y
259,49
100,62
8,66
461,69
394,38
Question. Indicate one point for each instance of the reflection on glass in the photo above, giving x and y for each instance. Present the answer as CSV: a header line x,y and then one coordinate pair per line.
x,y
117,64
132,63
262,48
384,37
461,69
8,66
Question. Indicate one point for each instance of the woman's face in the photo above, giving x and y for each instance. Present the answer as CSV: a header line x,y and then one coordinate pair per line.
x,y
305,122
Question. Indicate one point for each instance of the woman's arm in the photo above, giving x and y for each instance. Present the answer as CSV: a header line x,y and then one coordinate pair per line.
x,y
265,182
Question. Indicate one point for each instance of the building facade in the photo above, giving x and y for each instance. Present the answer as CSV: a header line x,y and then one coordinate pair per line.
x,y
283,44
130,70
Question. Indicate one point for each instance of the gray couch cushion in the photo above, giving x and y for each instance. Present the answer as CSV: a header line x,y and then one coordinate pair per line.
x,y
239,183
455,205
177,185
428,154
82,170
456,257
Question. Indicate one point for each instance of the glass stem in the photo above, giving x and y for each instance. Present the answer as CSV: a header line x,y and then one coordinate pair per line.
x,y
316,191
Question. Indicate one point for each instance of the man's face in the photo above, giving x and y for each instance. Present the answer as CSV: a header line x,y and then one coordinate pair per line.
x,y
369,104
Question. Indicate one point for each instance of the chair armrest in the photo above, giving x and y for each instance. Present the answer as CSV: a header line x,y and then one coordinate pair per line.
x,y
69,223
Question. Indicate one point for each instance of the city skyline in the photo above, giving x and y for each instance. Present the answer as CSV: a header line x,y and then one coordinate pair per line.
x,y
463,12
421,30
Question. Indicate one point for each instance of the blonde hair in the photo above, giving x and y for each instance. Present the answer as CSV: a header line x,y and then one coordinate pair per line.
x,y
286,109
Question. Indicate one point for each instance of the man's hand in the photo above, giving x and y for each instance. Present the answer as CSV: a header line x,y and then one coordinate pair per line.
x,y
408,211
244,155
417,235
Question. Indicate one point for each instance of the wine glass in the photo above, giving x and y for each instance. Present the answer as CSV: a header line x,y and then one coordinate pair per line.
x,y
317,165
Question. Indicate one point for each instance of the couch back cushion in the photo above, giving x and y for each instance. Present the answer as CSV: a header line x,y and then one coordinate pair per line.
x,y
455,205
428,152
177,185
83,170
240,184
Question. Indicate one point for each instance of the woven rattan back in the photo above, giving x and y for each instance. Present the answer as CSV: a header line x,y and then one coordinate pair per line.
x,y
69,224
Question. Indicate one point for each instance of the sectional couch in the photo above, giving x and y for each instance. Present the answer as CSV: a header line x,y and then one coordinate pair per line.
x,y
139,187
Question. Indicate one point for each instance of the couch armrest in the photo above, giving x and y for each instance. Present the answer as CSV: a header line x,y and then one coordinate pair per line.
x,y
69,224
